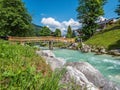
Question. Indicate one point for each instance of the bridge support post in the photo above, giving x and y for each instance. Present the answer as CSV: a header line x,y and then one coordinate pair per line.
x,y
51,45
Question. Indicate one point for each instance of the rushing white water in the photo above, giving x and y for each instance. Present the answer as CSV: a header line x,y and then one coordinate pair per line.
x,y
109,66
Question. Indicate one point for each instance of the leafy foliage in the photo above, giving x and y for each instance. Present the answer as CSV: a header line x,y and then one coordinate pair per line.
x,y
57,33
14,19
45,31
69,32
88,13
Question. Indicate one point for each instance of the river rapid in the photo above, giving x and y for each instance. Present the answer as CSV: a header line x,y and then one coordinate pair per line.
x,y
109,66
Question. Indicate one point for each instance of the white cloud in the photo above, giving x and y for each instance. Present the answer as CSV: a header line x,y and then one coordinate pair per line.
x,y
101,18
53,24
50,22
71,22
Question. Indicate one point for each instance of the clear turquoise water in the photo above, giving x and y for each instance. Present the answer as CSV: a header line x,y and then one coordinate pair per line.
x,y
109,66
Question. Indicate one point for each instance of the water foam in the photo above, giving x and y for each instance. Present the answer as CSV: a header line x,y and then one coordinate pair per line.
x,y
112,61
105,63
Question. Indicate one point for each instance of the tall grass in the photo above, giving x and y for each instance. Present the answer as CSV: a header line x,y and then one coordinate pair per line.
x,y
22,69
53,82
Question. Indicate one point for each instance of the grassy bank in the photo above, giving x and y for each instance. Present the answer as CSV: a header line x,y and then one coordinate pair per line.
x,y
22,69
108,38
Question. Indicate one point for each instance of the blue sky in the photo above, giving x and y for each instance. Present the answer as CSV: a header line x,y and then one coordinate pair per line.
x,y
60,11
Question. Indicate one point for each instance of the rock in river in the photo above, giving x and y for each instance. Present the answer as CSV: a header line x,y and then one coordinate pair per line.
x,y
79,75
87,77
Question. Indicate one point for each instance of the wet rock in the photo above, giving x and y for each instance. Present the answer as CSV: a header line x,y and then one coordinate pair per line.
x,y
103,50
51,59
115,52
75,44
93,48
91,73
48,53
85,48
89,77
76,80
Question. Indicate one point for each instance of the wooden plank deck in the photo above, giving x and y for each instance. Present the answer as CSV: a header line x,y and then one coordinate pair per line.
x,y
37,39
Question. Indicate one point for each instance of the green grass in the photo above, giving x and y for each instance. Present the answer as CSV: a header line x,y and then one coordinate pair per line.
x,y
108,38
22,69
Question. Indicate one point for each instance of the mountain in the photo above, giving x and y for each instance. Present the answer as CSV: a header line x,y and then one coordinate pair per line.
x,y
37,29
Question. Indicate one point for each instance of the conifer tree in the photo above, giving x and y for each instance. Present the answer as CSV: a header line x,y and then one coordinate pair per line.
x,y
69,32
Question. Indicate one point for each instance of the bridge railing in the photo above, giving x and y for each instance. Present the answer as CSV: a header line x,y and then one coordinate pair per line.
x,y
46,38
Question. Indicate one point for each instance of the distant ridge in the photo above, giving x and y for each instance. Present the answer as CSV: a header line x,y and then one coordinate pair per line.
x,y
37,29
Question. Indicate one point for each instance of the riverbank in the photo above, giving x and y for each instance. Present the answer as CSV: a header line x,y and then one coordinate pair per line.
x,y
51,59
22,69
99,50
79,71
106,41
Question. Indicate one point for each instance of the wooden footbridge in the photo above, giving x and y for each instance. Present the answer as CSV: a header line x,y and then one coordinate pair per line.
x,y
49,39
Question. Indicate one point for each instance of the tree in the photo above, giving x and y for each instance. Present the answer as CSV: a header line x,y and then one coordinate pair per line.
x,y
73,34
45,31
14,19
118,9
37,29
57,33
88,13
69,32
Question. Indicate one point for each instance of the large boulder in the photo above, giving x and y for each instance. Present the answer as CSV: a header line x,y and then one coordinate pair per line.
x,y
51,59
115,52
47,53
76,80
103,50
86,76
85,48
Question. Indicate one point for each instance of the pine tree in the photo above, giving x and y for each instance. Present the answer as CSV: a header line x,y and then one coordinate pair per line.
x,y
69,32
